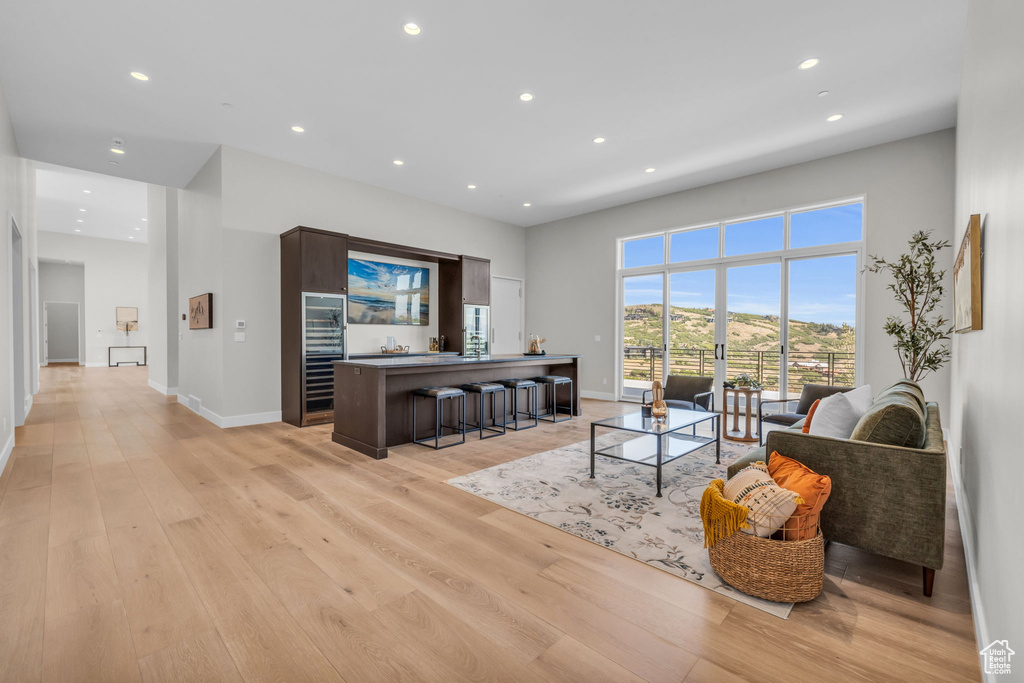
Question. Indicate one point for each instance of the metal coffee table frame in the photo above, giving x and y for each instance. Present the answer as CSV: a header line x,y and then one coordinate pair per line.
x,y
668,441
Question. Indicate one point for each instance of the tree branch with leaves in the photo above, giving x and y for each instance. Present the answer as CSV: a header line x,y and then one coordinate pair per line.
x,y
917,284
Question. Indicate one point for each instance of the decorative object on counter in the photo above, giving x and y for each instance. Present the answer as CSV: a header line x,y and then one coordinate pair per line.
x,y
917,285
387,293
535,342
745,380
967,279
397,349
200,312
389,343
127,321
434,345
659,409
441,344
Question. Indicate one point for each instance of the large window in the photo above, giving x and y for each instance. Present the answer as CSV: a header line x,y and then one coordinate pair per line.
x,y
773,295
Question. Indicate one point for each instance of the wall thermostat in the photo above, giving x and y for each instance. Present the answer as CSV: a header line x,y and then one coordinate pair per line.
x,y
240,324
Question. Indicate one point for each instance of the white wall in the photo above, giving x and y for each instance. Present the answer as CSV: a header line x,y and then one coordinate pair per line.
x,y
201,266
985,445
571,263
258,198
162,251
17,200
62,282
115,275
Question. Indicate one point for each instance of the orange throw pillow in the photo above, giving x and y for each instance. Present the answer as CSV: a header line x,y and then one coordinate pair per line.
x,y
814,488
810,414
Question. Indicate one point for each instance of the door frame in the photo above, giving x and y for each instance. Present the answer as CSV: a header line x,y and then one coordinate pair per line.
x,y
522,308
46,330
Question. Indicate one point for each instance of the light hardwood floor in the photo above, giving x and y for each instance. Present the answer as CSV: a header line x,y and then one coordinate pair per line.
x,y
140,542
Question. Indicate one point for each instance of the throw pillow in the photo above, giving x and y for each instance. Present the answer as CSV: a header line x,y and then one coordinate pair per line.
x,y
835,417
860,398
770,505
810,416
814,488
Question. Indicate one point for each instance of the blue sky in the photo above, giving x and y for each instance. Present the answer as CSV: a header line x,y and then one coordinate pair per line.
x,y
821,289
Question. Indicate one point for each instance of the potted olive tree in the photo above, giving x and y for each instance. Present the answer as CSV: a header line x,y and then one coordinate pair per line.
x,y
917,284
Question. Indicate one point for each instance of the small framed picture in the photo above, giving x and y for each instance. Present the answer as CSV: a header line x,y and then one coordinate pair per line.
x,y
200,312
967,279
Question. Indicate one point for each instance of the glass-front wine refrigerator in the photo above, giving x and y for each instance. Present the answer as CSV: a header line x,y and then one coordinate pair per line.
x,y
324,340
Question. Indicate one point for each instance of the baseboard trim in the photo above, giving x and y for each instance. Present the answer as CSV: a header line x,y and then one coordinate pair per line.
x,y
95,365
63,360
965,515
166,391
5,455
599,395
231,420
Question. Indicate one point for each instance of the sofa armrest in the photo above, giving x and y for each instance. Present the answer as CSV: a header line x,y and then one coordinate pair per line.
x,y
889,500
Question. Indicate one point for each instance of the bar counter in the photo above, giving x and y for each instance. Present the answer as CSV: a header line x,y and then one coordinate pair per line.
x,y
373,396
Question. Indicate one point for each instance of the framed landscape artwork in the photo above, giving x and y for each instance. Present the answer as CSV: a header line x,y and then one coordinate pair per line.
x,y
127,318
200,312
967,279
388,293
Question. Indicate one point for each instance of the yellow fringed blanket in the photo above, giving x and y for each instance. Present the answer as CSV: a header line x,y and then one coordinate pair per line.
x,y
721,517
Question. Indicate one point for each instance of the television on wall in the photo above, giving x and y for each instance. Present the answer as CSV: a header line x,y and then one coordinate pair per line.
x,y
387,293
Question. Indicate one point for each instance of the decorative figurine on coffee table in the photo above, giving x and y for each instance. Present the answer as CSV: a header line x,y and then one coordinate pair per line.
x,y
659,409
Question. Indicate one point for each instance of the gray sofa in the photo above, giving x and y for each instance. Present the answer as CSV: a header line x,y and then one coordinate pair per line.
x,y
888,480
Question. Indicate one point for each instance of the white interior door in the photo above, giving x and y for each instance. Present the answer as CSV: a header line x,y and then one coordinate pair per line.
x,y
46,335
62,334
507,315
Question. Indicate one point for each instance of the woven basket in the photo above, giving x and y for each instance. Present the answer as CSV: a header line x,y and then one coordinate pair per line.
x,y
783,571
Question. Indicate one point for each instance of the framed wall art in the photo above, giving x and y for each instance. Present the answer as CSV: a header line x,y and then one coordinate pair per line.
x,y
967,279
200,312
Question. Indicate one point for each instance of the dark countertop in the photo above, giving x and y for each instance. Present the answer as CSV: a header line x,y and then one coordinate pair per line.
x,y
403,361
361,356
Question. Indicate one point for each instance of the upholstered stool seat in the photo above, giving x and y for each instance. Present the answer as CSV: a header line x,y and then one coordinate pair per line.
x,y
530,387
483,389
440,395
551,384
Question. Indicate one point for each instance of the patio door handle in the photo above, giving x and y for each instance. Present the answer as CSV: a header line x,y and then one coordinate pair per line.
x,y
716,352
782,350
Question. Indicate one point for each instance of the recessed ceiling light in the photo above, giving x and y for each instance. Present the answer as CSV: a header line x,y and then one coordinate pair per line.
x,y
139,76
823,93
112,163
834,117
138,228
77,230
527,204
87,191
648,170
227,105
131,237
80,220
526,96
808,64
82,210
471,187
598,141
145,219
398,162
298,129
115,150
411,28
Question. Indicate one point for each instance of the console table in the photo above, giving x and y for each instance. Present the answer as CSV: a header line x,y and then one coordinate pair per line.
x,y
111,364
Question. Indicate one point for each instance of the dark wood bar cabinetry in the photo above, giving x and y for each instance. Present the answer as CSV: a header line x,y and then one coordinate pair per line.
x,y
312,261
314,278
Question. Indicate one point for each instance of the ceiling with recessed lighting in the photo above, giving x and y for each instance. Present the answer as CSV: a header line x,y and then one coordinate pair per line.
x,y
114,208
508,97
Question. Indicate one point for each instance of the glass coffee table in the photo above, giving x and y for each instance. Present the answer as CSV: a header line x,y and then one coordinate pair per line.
x,y
661,443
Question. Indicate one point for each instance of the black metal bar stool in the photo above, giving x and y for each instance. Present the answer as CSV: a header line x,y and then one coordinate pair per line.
x,y
482,389
531,400
554,381
440,394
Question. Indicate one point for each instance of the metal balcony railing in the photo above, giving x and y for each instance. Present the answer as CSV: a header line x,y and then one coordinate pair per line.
x,y
644,363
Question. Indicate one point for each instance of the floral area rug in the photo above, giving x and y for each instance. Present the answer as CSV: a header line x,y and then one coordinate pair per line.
x,y
618,509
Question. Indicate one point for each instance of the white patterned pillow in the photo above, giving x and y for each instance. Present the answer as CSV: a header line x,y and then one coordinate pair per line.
x,y
769,504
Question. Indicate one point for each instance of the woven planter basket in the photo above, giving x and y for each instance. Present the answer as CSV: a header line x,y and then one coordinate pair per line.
x,y
783,571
